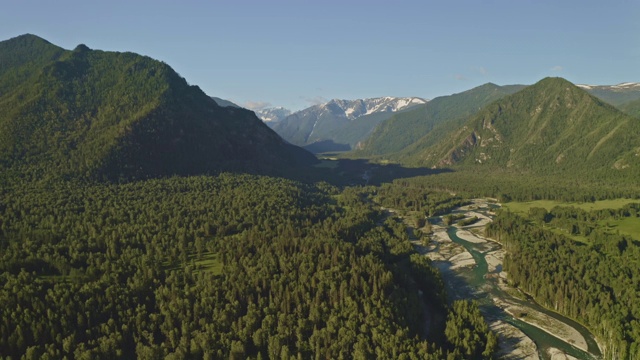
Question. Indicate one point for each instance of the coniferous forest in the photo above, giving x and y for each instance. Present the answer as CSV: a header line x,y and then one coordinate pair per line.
x,y
219,267
140,219
595,282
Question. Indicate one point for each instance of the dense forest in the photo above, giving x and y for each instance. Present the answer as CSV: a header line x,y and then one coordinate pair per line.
x,y
233,266
506,186
570,260
595,281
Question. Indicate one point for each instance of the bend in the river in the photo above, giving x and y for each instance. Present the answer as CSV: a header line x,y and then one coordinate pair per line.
x,y
489,289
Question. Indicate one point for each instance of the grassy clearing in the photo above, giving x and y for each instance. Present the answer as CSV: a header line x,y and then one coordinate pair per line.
x,y
578,238
626,226
209,262
523,207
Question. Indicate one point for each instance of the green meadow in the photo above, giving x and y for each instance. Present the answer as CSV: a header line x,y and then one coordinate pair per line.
x,y
626,226
523,207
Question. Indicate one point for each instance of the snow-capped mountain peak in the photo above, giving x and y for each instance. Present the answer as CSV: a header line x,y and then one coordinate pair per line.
x,y
273,114
343,123
353,109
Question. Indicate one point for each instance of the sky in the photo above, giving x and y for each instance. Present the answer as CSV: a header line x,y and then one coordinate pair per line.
x,y
299,53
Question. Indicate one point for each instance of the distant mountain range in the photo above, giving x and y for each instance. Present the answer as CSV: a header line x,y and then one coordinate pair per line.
x,y
615,95
550,127
340,123
110,115
385,127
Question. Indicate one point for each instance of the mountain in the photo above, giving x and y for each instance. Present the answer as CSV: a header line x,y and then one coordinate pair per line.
x,y
403,129
224,103
615,95
631,108
345,122
111,115
272,114
550,127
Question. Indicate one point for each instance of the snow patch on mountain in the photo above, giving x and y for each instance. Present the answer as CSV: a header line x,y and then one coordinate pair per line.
x,y
273,114
353,109
620,87
627,85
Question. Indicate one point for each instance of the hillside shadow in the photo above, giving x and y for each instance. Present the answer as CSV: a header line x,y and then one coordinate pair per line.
x,y
350,172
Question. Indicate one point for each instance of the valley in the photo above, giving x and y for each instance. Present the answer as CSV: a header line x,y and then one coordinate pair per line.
x,y
143,218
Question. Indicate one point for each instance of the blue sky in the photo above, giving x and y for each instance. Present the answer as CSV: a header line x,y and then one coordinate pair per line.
x,y
297,53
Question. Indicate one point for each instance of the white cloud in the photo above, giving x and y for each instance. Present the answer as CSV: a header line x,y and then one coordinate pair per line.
x,y
316,100
460,77
557,68
483,70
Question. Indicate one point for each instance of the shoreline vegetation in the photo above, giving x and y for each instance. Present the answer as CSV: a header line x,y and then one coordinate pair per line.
x,y
449,257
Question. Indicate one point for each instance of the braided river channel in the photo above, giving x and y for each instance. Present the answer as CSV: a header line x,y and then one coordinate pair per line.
x,y
472,268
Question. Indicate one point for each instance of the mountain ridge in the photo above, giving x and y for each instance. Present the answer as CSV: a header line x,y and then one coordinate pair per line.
x,y
550,127
98,114
403,129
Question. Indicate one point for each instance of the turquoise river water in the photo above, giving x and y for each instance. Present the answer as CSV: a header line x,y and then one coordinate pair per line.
x,y
474,283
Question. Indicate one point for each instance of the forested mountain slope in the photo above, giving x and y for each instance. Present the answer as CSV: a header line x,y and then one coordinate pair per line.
x,y
632,108
550,127
112,115
403,129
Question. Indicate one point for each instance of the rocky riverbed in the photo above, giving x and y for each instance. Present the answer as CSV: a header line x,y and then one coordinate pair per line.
x,y
453,259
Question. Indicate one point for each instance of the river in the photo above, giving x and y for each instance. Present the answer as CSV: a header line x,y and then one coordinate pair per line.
x,y
469,275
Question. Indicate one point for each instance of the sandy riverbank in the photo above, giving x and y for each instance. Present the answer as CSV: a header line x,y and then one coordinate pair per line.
x,y
543,322
513,343
467,235
557,354
446,254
